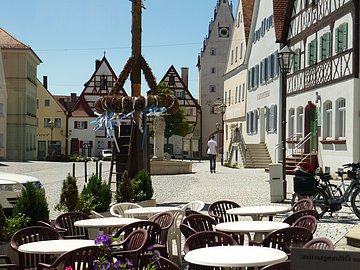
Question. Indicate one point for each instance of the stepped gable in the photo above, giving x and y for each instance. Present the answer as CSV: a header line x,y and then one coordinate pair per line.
x,y
248,7
282,13
211,26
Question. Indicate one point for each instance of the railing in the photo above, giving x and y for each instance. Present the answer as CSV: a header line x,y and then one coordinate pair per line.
x,y
295,136
242,146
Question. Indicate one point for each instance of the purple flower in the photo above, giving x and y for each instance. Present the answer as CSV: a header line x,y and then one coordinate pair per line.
x,y
151,247
103,239
156,255
117,265
128,262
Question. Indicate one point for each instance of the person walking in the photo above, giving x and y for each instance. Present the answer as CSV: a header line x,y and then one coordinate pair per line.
x,y
212,152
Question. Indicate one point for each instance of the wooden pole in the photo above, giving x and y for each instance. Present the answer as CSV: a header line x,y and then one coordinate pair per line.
x,y
136,47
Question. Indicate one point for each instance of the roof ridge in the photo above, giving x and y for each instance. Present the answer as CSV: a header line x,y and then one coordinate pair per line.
x,y
11,36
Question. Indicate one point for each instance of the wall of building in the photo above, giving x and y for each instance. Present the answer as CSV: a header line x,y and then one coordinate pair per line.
x,y
3,110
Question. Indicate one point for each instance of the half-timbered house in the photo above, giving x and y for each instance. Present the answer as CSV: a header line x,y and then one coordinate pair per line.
x,y
323,93
83,139
188,146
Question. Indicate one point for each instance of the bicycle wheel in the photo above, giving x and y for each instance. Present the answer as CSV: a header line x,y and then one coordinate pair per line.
x,y
335,191
321,202
355,202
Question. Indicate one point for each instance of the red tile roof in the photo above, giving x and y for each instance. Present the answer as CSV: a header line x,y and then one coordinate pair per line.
x,y
247,6
9,42
281,18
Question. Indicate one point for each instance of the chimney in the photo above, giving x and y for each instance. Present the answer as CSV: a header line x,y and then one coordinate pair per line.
x,y
97,64
73,98
45,82
185,75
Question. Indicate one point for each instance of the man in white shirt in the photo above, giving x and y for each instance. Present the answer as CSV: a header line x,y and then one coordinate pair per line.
x,y
212,152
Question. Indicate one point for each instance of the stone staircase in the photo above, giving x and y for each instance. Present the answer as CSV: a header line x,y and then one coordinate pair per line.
x,y
295,159
256,156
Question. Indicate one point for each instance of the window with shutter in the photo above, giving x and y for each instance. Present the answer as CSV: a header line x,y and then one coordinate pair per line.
x,y
247,123
277,67
328,45
256,122
267,118
261,72
76,124
257,75
85,125
345,36
266,67
272,66
337,30
275,118
249,80
309,54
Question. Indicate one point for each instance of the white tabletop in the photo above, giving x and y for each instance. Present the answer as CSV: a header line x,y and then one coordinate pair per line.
x,y
235,256
150,210
261,210
251,226
113,222
54,246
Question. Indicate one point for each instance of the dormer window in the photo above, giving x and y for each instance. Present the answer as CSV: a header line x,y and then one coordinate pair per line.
x,y
171,80
103,82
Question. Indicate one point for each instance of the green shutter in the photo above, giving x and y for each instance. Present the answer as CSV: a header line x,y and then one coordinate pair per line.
x,y
321,48
337,40
328,44
309,54
315,50
345,36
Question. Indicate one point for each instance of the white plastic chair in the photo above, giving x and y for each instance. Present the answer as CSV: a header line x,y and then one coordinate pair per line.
x,y
118,210
174,232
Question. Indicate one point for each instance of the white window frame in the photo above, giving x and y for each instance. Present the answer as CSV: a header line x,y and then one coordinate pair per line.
x,y
341,119
291,122
328,116
300,121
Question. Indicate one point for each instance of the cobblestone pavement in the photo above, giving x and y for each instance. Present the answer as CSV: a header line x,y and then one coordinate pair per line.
x,y
245,186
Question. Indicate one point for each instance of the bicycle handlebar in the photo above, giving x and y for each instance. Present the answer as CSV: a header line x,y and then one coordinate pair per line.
x,y
352,165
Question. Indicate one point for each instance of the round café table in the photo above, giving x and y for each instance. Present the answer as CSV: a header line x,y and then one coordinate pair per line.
x,y
107,224
259,228
235,256
258,212
54,247
149,211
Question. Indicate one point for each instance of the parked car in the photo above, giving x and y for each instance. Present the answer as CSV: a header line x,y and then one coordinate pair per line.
x,y
105,153
11,185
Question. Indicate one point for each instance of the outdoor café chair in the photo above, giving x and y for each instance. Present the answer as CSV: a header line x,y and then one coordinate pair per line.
x,y
295,216
78,259
309,222
303,204
28,235
159,263
207,239
132,248
200,222
67,220
217,210
286,238
118,210
165,220
320,243
6,263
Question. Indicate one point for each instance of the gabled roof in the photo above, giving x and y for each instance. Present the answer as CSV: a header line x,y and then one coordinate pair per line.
x,y
182,86
7,41
81,107
282,13
247,7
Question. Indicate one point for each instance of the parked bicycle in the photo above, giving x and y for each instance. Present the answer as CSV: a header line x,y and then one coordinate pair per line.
x,y
328,197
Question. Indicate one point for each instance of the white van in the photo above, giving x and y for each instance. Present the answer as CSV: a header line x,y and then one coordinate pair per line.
x,y
11,185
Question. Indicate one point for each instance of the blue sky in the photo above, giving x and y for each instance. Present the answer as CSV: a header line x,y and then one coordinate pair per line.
x,y
69,35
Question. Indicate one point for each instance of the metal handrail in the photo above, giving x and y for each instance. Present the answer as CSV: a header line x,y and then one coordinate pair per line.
x,y
299,146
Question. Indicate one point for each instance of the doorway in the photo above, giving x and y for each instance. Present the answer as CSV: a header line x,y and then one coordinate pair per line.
x,y
311,127
41,150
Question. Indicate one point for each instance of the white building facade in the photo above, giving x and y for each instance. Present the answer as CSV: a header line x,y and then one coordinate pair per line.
x,y
324,88
3,110
262,121
212,63
235,82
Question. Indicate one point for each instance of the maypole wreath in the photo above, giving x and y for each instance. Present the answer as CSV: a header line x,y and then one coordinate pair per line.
x,y
114,109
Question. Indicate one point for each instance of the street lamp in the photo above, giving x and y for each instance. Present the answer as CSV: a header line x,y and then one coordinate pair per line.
x,y
286,60
51,126
220,108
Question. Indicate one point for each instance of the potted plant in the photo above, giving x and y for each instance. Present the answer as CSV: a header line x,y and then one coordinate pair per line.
x,y
138,190
69,197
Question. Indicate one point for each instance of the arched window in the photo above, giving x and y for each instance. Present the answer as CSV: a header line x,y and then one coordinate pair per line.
x,y
300,121
291,122
340,118
327,119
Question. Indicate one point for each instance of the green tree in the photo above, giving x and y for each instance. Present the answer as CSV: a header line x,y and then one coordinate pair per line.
x,y
69,197
176,124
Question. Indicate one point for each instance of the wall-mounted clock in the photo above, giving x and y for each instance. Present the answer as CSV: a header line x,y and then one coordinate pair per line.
x,y
223,31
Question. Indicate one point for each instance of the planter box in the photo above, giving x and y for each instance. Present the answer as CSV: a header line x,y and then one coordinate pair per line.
x,y
148,203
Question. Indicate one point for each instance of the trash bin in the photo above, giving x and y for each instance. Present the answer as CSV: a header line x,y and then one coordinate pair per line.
x,y
304,183
276,183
